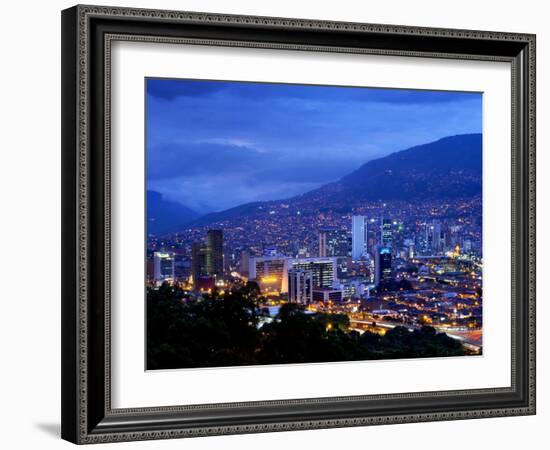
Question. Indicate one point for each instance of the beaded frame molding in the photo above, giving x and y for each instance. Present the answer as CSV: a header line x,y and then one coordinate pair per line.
x,y
87,35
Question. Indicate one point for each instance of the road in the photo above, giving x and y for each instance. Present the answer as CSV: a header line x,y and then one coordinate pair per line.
x,y
471,339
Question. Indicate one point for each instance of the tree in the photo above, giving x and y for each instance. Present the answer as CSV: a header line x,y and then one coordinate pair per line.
x,y
223,330
187,332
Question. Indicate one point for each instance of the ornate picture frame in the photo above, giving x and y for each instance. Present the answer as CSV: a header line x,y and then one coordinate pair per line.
x,y
88,33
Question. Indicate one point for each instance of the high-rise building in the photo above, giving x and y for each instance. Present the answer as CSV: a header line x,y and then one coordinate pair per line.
x,y
323,242
342,265
214,253
333,242
323,270
163,263
244,263
300,286
359,237
182,266
198,261
382,265
435,237
386,233
150,269
271,273
354,288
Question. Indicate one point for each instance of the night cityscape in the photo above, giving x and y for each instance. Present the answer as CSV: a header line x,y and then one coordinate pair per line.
x,y
382,260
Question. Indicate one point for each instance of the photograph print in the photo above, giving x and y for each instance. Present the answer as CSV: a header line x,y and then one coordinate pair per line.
x,y
291,223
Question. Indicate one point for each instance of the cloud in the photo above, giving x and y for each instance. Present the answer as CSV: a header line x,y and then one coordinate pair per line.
x,y
222,143
245,165
233,142
416,96
201,158
169,89
184,190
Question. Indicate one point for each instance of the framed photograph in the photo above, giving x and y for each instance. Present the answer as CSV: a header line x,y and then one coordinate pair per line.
x,y
280,224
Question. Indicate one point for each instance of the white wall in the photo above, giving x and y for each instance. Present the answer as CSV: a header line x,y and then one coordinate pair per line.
x,y
30,222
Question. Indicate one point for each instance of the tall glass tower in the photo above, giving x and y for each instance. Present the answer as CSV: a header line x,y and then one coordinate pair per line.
x,y
214,252
358,237
386,233
382,265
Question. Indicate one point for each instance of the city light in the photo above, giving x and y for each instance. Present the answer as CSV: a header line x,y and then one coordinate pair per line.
x,y
392,244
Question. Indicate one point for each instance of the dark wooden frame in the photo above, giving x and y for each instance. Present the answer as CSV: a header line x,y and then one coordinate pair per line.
x,y
87,32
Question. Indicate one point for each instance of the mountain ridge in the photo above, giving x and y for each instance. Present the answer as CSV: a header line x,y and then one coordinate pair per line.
x,y
450,167
416,171
164,216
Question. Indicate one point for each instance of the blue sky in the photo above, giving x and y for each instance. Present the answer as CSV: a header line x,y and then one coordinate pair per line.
x,y
212,145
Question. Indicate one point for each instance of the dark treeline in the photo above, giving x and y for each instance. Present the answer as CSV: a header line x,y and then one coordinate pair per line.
x,y
222,330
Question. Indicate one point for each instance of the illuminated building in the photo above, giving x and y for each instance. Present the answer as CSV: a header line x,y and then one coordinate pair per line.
x,y
411,251
207,259
359,237
408,249
456,252
182,266
333,242
150,269
382,265
163,263
244,263
354,288
435,238
214,253
300,286
342,264
386,237
271,273
198,261
324,270
323,242
325,294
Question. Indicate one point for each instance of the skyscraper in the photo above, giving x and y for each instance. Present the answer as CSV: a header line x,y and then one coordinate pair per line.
x,y
245,261
214,253
163,264
333,242
358,237
434,237
182,265
382,265
272,273
386,234
323,242
438,237
300,286
323,270
198,261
